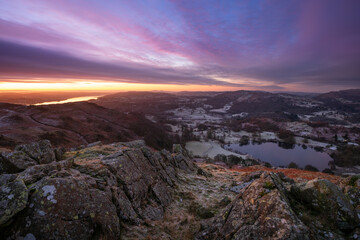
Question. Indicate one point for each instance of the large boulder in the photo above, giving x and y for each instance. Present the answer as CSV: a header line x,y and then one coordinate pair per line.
x,y
326,199
13,197
90,194
67,208
16,161
144,181
261,211
275,207
41,151
27,155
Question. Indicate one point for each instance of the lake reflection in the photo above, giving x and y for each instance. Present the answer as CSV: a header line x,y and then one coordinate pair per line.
x,y
69,100
280,156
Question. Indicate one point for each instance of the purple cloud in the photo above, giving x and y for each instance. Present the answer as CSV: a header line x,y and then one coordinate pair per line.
x,y
237,43
16,59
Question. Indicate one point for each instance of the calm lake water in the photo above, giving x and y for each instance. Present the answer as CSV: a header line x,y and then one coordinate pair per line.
x,y
69,100
278,156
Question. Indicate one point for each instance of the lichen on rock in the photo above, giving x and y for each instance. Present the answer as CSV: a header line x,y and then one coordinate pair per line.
x,y
130,191
13,197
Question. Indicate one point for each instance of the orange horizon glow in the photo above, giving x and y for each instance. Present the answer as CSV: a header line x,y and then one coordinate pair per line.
x,y
107,87
112,87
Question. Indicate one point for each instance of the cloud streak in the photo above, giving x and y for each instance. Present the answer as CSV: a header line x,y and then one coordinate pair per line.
x,y
17,59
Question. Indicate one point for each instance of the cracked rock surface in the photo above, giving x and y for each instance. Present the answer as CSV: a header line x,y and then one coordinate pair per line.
x,y
130,191
90,194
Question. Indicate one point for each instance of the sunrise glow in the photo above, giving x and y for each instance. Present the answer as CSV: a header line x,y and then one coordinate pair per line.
x,y
175,46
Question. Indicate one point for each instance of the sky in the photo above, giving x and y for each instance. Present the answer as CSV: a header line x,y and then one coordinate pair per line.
x,y
277,45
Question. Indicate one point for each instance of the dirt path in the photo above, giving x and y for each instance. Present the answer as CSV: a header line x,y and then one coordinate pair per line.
x,y
82,138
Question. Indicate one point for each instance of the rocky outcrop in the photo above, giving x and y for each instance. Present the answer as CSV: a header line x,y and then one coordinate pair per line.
x,y
67,207
261,211
91,194
128,190
274,207
326,199
28,155
13,197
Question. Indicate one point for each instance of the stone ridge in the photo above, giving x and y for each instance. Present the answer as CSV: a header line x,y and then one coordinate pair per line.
x,y
27,155
91,194
273,206
130,191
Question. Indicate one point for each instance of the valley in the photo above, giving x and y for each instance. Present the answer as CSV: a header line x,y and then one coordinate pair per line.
x,y
206,122
203,122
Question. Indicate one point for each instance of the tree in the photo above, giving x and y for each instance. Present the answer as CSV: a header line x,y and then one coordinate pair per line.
x,y
311,168
287,136
293,165
328,171
209,134
244,140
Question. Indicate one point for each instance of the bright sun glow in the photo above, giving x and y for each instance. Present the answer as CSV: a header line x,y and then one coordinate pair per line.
x,y
106,86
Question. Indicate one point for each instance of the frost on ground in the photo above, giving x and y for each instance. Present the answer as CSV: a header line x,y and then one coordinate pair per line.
x,y
151,118
240,115
174,128
223,109
330,114
190,115
267,136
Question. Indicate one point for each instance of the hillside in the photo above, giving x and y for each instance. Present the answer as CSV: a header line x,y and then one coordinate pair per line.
x,y
145,102
74,124
346,100
130,191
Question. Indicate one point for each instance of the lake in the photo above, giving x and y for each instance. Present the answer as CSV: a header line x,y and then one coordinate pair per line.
x,y
278,156
69,100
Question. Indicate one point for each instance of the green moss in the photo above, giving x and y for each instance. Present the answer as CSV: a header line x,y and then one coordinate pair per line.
x,y
269,185
263,193
109,149
91,153
352,181
202,212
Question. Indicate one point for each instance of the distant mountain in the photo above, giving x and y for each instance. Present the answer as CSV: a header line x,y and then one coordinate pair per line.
x,y
264,103
346,100
350,95
261,102
145,102
302,94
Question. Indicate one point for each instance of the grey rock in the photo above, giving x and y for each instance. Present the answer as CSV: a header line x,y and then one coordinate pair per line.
x,y
28,155
13,197
238,188
98,143
322,195
67,208
41,151
257,213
